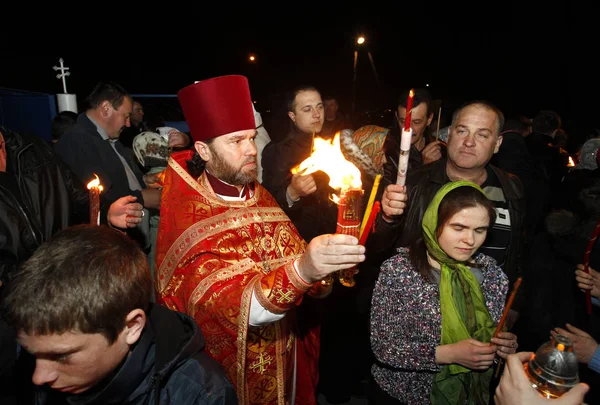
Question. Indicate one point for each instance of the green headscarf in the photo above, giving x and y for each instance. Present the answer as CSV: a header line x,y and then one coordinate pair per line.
x,y
464,314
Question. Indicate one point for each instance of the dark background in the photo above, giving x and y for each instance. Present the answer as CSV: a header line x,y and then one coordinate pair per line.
x,y
524,57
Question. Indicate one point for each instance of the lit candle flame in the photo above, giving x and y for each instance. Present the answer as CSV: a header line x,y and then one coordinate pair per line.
x,y
571,162
95,183
327,156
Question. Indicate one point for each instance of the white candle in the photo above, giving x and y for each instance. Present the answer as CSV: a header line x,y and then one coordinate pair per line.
x,y
403,158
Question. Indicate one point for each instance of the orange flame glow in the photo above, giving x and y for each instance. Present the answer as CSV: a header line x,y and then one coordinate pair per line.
x,y
327,156
95,183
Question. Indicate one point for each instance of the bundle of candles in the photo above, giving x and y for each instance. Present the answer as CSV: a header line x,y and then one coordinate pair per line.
x,y
345,177
348,223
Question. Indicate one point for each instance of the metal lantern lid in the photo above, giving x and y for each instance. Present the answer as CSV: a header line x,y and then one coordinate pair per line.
x,y
555,365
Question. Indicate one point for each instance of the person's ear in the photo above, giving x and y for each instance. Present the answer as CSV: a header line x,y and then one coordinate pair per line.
x,y
429,119
105,108
203,150
134,325
292,116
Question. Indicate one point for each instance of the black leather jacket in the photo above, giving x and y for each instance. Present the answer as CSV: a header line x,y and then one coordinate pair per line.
x,y
422,184
40,198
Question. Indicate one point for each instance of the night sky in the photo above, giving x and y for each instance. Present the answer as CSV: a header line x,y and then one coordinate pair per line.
x,y
523,58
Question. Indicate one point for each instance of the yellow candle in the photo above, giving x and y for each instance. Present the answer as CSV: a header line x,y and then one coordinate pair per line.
x,y
363,224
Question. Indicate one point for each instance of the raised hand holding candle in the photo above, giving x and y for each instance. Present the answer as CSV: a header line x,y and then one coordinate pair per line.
x,y
405,142
95,188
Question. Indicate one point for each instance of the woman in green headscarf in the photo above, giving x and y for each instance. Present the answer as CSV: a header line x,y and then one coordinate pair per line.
x,y
435,307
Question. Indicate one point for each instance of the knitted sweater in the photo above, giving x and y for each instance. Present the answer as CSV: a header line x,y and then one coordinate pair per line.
x,y
406,324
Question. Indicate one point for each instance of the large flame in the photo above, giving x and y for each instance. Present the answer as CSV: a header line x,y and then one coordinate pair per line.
x,y
327,156
95,183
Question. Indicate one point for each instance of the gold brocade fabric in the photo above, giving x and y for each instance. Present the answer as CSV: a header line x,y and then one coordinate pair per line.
x,y
211,256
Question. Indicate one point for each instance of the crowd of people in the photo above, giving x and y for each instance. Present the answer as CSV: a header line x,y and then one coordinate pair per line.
x,y
206,281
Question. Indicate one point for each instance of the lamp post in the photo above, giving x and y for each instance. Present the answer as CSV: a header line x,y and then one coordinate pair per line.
x,y
359,41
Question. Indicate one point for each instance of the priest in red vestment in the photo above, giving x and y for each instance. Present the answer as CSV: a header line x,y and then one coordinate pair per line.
x,y
228,256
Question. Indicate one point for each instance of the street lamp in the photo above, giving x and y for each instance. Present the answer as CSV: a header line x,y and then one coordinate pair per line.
x,y
252,58
360,41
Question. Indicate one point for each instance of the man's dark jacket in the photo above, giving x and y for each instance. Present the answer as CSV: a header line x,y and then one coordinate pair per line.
x,y
39,196
86,153
43,198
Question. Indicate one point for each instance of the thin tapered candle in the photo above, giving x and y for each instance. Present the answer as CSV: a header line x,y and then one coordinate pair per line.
x,y
370,203
507,307
365,234
409,104
437,132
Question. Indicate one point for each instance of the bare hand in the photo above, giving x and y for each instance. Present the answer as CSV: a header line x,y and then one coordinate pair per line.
x,y
153,180
588,282
301,186
515,388
125,212
393,201
469,353
328,253
507,344
432,152
584,345
178,139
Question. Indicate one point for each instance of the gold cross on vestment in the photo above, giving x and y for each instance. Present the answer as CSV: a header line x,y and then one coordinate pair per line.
x,y
287,296
261,363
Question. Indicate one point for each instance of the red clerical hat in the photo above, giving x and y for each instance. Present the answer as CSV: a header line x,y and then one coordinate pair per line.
x,y
217,106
